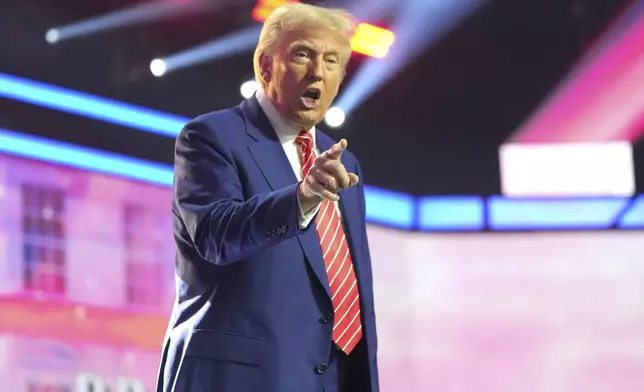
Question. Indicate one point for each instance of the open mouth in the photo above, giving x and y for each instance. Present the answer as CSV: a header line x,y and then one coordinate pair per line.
x,y
311,97
312,93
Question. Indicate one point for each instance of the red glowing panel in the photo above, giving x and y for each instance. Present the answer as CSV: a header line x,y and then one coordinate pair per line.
x,y
368,40
602,99
264,8
372,40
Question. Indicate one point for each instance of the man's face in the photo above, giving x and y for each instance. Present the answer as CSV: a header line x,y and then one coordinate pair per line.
x,y
304,74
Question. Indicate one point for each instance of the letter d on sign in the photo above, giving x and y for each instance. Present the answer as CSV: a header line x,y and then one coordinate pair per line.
x,y
124,384
88,382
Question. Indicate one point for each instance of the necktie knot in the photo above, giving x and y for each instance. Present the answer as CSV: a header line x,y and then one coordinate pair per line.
x,y
305,141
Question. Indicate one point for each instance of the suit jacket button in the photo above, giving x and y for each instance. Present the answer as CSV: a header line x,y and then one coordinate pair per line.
x,y
320,369
283,229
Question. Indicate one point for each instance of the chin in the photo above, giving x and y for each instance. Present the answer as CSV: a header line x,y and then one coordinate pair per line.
x,y
309,118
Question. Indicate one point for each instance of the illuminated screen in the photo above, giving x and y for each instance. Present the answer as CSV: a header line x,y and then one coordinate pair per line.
x,y
86,284
530,312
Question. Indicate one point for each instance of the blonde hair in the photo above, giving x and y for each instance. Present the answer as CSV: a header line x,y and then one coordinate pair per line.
x,y
293,16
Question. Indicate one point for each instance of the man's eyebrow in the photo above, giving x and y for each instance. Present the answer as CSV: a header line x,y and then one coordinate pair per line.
x,y
301,45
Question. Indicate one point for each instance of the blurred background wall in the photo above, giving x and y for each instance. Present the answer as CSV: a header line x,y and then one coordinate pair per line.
x,y
501,145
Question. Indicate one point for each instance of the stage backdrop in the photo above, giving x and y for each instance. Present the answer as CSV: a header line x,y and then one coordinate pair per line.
x,y
86,284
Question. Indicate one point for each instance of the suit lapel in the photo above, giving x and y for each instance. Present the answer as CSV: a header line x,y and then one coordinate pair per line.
x,y
268,153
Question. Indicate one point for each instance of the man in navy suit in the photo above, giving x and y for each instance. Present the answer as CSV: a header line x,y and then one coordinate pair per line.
x,y
274,282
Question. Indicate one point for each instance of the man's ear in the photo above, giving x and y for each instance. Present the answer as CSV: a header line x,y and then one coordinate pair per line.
x,y
265,67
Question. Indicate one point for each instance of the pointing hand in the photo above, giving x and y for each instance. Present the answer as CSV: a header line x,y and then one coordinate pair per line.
x,y
328,176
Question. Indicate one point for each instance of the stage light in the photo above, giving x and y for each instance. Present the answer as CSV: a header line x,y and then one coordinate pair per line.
x,y
134,14
248,88
52,36
157,67
264,8
372,40
335,117
90,106
418,25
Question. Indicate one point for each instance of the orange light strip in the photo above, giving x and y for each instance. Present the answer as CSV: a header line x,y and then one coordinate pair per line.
x,y
75,322
372,40
368,39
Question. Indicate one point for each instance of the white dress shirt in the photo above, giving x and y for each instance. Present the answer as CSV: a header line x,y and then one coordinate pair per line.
x,y
287,136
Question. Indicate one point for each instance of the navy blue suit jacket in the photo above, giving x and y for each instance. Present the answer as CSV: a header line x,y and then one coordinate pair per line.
x,y
253,311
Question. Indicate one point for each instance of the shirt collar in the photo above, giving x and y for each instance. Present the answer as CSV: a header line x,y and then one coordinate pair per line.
x,y
285,133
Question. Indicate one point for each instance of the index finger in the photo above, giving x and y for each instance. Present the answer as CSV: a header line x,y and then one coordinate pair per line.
x,y
335,152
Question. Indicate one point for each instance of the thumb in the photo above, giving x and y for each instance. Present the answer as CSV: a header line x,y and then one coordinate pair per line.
x,y
354,179
335,152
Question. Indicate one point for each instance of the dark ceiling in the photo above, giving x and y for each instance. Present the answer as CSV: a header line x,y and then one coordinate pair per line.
x,y
434,129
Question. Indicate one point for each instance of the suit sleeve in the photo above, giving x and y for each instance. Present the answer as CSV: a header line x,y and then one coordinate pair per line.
x,y
224,227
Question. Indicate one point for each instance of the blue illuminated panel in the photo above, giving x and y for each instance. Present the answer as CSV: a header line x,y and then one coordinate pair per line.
x,y
445,213
633,218
547,214
390,208
84,158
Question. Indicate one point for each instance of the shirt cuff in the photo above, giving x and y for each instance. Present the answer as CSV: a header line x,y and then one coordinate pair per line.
x,y
305,219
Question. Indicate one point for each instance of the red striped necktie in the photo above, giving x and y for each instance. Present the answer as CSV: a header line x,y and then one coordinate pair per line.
x,y
347,328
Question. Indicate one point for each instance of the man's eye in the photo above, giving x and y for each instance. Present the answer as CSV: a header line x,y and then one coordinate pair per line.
x,y
332,61
301,55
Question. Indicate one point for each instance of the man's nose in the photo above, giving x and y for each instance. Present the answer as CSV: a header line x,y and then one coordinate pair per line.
x,y
316,70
